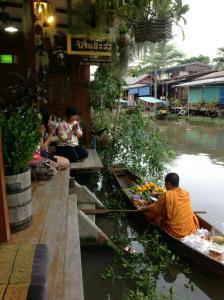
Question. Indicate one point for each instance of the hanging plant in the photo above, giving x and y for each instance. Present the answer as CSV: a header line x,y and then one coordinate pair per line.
x,y
88,18
123,40
161,29
123,36
152,20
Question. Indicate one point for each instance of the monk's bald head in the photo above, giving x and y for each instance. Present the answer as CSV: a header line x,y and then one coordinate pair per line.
x,y
172,179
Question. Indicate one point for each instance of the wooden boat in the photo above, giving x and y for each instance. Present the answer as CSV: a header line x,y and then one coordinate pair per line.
x,y
125,180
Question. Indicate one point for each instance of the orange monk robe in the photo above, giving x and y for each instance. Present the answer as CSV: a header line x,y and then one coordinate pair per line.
x,y
173,213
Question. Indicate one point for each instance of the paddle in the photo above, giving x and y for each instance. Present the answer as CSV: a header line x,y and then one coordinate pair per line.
x,y
108,211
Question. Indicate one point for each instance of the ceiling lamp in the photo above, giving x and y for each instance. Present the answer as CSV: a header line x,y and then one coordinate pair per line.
x,y
44,13
11,29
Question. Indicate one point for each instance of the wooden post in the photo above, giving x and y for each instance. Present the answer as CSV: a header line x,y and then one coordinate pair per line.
x,y
85,77
4,215
31,55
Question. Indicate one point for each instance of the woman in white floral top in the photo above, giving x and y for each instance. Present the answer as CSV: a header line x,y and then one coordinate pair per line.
x,y
69,133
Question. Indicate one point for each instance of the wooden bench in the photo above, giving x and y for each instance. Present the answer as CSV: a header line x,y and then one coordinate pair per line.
x,y
92,162
55,223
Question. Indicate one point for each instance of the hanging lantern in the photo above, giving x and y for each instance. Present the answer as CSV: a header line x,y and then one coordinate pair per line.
x,y
44,13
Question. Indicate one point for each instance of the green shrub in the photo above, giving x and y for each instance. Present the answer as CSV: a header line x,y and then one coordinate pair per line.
x,y
20,137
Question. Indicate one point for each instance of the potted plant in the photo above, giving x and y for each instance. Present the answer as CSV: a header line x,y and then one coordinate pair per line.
x,y
123,38
20,126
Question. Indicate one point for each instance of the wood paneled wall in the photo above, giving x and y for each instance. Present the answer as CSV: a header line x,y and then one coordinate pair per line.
x,y
72,89
66,87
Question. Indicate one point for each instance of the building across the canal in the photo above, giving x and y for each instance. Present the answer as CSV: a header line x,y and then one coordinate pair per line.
x,y
161,82
208,89
137,87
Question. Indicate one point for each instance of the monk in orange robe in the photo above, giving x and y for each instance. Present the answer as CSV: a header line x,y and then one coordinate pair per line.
x,y
173,212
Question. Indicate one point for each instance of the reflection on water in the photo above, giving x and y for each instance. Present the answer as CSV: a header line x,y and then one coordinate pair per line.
x,y
200,164
193,139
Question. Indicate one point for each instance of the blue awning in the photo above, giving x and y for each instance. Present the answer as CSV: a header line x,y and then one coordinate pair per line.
x,y
150,100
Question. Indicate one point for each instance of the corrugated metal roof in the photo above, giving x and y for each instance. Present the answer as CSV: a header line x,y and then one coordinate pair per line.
x,y
184,78
135,86
212,75
202,82
135,80
150,99
185,65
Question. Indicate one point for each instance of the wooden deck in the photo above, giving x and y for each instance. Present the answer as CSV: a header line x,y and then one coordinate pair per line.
x,y
55,223
93,162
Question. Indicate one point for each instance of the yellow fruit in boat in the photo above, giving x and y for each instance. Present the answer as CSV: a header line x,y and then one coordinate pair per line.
x,y
138,188
218,239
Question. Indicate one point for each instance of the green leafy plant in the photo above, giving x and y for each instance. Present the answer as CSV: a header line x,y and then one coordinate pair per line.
x,y
106,87
138,145
99,17
215,101
123,28
201,102
141,267
106,90
133,295
88,17
20,135
177,102
152,19
100,120
20,123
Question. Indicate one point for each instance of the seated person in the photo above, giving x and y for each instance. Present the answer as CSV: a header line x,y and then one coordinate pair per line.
x,y
173,212
69,132
49,128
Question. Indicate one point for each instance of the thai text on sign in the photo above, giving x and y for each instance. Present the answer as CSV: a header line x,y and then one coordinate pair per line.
x,y
81,45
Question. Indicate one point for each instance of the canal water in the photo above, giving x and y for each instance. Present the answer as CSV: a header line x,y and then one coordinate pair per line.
x,y
200,163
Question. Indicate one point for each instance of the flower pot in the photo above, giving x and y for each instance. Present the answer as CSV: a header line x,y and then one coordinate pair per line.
x,y
18,189
123,40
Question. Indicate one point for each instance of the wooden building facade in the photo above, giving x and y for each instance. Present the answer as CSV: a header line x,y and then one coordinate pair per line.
x,y
67,80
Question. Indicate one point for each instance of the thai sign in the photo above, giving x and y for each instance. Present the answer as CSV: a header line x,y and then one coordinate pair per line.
x,y
88,46
95,60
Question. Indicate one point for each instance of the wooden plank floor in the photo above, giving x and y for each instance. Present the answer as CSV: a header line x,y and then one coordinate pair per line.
x,y
55,223
92,162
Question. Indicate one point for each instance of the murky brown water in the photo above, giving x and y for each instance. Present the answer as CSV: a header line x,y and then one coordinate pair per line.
x,y
200,164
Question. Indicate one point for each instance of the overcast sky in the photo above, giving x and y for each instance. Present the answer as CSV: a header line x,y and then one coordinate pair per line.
x,y
204,32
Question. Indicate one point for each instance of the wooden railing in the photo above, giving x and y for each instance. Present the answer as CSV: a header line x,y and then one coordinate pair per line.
x,y
4,215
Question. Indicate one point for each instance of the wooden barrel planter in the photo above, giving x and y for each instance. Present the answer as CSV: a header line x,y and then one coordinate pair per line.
x,y
19,193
